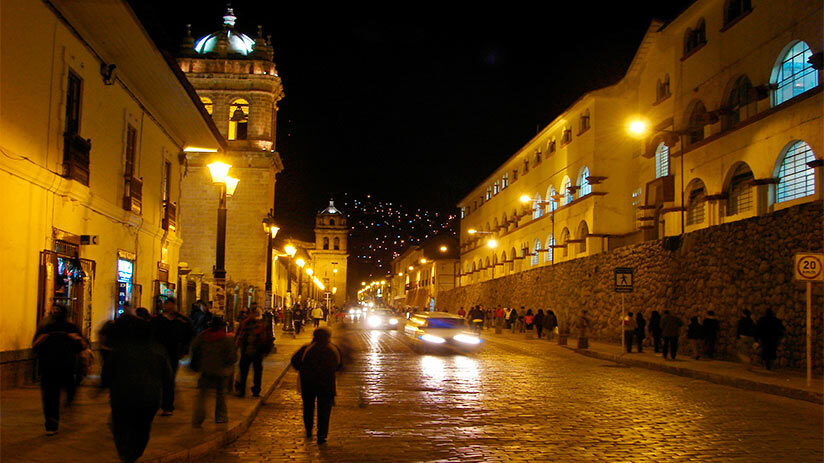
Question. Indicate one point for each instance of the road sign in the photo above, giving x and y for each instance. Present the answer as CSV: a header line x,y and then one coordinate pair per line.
x,y
809,267
623,279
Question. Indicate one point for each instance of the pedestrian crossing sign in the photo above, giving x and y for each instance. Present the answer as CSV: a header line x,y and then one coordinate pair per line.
x,y
623,279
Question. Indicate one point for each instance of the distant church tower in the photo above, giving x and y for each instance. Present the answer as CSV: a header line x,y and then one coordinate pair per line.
x,y
330,253
235,77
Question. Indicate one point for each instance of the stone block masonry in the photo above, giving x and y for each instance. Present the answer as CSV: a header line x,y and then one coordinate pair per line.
x,y
727,268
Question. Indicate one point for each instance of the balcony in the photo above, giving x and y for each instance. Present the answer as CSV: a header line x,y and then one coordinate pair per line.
x,y
76,151
133,195
169,216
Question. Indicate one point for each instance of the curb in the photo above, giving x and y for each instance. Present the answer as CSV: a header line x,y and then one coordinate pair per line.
x,y
221,439
740,383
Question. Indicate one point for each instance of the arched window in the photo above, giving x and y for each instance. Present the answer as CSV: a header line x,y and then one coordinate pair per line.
x,y
734,9
537,210
326,243
793,74
488,195
795,178
336,244
550,241
207,103
740,105
583,232
552,203
566,191
740,190
552,145
495,187
505,180
564,239
535,254
696,202
695,38
584,188
695,129
584,122
503,259
238,119
512,262
332,222
663,89
662,155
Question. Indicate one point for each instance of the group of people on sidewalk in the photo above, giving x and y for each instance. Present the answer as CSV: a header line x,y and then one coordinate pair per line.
x,y
140,357
702,335
543,324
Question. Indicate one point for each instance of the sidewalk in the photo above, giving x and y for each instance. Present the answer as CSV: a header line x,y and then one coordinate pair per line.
x,y
84,432
781,382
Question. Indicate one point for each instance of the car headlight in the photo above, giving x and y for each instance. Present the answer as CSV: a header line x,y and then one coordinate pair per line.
x,y
393,321
351,311
374,321
432,339
467,339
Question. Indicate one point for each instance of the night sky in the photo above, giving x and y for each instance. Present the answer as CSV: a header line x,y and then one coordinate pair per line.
x,y
419,103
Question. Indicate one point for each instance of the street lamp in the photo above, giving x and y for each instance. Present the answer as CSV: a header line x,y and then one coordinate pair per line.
x,y
227,185
271,231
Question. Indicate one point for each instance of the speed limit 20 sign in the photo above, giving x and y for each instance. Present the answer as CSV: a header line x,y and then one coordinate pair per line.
x,y
809,267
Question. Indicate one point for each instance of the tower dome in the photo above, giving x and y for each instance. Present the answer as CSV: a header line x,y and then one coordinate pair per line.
x,y
235,42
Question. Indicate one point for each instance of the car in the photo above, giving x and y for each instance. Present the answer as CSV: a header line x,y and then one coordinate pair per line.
x,y
441,331
382,319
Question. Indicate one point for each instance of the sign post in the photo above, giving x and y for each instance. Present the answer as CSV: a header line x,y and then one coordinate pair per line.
x,y
809,267
623,284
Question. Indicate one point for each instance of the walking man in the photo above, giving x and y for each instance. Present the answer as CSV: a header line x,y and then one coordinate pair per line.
x,y
214,356
670,329
317,316
174,332
56,344
316,363
254,341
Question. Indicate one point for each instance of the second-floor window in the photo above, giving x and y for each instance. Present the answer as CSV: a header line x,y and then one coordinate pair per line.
x,y
73,94
695,38
131,149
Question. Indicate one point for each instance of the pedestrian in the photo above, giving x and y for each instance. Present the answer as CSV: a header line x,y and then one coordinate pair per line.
x,y
56,344
583,330
317,316
745,337
214,357
174,332
768,332
711,328
297,317
254,342
550,324
670,331
462,312
316,363
201,318
640,330
695,336
499,319
655,330
507,312
529,319
476,317
512,320
630,326
139,378
538,321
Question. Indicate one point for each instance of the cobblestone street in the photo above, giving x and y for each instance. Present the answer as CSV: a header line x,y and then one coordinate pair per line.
x,y
548,404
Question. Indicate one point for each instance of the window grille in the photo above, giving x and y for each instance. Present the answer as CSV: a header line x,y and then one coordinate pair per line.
x,y
740,194
535,253
795,178
583,182
662,155
549,249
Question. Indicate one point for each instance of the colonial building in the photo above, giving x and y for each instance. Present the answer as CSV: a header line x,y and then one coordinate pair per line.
x,y
236,80
330,254
93,133
421,272
718,119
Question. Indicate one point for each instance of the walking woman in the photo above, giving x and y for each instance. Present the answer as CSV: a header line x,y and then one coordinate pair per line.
x,y
539,322
655,330
640,329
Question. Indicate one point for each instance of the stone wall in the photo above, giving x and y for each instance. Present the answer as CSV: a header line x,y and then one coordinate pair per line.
x,y
726,268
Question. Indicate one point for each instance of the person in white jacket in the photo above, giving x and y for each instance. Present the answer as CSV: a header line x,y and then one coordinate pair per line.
x,y
317,316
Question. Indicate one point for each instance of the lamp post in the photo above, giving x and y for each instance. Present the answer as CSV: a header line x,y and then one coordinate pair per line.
x,y
287,306
227,185
271,231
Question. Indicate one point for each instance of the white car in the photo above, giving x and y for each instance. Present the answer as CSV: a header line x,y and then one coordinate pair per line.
x,y
441,331
379,319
